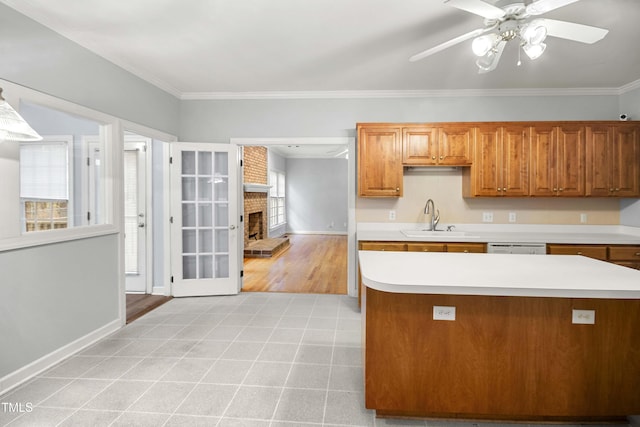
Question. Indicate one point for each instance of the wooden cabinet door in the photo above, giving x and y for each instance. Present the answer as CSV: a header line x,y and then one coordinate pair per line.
x,y
515,161
626,161
420,145
383,246
426,247
599,161
455,145
591,251
466,247
570,141
487,162
543,161
379,161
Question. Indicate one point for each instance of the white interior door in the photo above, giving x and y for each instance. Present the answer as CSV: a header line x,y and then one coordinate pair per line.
x,y
204,234
135,215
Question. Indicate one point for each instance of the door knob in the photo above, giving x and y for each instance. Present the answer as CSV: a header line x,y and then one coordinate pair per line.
x,y
141,225
232,227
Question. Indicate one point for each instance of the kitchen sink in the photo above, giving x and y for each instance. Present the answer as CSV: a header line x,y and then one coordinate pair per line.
x,y
441,234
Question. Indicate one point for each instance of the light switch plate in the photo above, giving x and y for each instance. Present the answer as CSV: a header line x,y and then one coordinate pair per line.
x,y
441,312
487,216
583,317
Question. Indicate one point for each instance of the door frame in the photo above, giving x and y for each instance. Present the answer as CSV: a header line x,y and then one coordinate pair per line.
x,y
350,142
146,180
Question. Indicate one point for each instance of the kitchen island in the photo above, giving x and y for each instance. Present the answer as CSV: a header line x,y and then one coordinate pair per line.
x,y
535,338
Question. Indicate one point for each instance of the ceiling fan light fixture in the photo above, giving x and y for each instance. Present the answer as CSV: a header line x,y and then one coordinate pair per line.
x,y
534,33
534,51
483,44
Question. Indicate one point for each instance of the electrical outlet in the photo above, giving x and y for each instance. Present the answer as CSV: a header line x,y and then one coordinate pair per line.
x,y
583,317
392,215
583,218
512,217
487,216
441,312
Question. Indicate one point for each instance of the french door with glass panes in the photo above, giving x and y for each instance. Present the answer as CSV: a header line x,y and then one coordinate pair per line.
x,y
204,237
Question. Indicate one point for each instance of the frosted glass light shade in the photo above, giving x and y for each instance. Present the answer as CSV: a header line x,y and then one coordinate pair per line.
x,y
483,44
12,126
534,51
534,33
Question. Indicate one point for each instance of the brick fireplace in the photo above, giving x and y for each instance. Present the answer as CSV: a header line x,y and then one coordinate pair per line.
x,y
256,236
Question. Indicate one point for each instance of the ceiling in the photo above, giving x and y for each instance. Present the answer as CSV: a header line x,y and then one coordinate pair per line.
x,y
199,49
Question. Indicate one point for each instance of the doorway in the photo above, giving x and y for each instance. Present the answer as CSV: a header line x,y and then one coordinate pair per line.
x,y
135,213
320,230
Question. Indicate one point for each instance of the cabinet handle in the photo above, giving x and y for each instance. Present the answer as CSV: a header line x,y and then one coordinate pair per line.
x,y
397,188
433,157
555,189
611,190
499,189
425,250
637,254
579,253
504,189
560,189
466,251
617,189
441,157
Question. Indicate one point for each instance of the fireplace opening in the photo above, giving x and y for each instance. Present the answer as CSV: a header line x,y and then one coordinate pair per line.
x,y
255,231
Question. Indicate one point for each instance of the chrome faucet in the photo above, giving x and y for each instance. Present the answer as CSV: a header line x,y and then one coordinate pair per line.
x,y
430,209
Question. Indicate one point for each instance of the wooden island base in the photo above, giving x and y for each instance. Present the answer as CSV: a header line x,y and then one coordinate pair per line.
x,y
503,358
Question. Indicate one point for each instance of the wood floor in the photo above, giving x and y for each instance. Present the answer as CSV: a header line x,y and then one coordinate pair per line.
x,y
140,304
312,264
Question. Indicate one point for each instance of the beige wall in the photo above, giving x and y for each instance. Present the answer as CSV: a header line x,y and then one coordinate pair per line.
x,y
445,188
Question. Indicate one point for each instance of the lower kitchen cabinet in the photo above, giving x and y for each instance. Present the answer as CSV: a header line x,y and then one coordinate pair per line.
x,y
591,251
628,256
478,248
426,247
625,255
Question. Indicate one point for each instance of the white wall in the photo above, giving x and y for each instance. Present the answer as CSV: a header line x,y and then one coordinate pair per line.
x,y
630,208
317,196
278,163
36,57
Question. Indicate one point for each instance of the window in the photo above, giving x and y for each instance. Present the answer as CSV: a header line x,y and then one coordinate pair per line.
x,y
61,176
276,199
45,175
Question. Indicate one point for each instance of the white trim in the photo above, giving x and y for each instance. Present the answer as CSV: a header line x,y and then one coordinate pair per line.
x,y
288,141
15,378
629,87
366,94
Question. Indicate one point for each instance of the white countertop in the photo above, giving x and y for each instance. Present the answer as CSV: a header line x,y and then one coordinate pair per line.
x,y
507,233
564,276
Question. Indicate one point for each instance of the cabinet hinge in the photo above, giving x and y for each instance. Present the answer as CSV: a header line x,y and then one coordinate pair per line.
x,y
89,216
241,273
170,160
171,279
88,161
170,220
241,218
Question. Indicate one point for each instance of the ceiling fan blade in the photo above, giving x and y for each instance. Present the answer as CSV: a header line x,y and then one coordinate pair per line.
x,y
572,31
447,44
543,6
477,7
492,60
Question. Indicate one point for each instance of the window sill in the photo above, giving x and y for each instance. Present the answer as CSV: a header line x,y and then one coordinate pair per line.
x,y
39,238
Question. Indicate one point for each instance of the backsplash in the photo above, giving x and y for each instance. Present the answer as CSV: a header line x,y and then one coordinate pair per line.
x,y
445,188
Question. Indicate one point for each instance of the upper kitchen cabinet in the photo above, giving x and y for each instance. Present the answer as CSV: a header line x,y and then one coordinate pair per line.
x,y
500,162
437,145
557,160
379,160
613,160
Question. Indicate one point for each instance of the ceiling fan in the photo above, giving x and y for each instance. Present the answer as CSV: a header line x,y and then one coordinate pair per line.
x,y
515,21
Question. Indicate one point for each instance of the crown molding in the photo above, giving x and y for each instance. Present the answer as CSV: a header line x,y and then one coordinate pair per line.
x,y
368,94
629,87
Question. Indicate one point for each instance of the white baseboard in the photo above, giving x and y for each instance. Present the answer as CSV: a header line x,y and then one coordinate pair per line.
x,y
14,379
333,233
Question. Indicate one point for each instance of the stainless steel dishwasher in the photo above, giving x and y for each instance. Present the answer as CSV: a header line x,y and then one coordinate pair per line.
x,y
517,248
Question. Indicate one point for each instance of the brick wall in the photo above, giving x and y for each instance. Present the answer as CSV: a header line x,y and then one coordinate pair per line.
x,y
255,165
255,172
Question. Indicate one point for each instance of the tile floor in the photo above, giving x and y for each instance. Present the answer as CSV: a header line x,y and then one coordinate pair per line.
x,y
255,359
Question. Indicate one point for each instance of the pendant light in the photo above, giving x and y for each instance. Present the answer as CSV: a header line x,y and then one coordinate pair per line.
x,y
12,126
